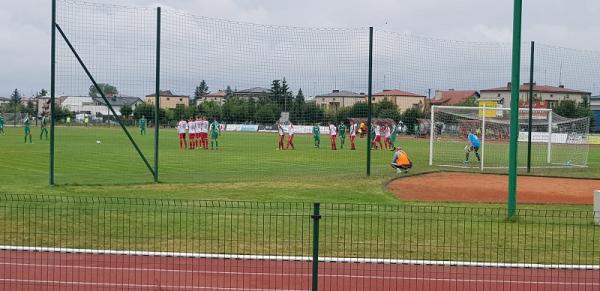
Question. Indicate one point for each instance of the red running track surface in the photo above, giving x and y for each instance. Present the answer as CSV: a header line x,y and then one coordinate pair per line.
x,y
26,270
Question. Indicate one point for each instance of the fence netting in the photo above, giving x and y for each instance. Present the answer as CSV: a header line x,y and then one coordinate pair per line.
x,y
118,243
242,101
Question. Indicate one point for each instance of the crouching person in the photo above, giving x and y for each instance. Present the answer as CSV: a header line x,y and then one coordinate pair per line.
x,y
401,162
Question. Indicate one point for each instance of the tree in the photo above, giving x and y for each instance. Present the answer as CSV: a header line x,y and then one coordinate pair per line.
x,y
228,92
201,90
297,110
107,89
266,114
15,98
469,102
384,105
276,93
360,109
212,110
126,111
389,113
410,118
286,96
566,108
313,113
180,111
143,109
30,109
42,92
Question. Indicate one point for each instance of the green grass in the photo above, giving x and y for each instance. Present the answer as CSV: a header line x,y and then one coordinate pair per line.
x,y
247,167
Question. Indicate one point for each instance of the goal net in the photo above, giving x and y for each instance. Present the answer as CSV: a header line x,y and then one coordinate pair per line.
x,y
556,141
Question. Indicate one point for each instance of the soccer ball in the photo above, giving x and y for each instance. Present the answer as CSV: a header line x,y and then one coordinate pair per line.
x,y
98,142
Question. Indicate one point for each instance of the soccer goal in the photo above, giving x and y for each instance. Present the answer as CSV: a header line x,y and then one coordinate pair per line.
x,y
556,141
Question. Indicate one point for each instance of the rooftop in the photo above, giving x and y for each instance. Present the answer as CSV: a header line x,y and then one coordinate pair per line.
x,y
118,101
216,94
387,92
166,93
254,90
342,93
453,97
537,88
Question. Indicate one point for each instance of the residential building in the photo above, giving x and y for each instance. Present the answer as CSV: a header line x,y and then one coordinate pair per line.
x,y
252,93
96,106
339,99
168,100
553,95
4,100
595,105
453,97
217,97
404,100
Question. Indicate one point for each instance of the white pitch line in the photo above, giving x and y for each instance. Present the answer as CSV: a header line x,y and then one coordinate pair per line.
x,y
99,284
299,258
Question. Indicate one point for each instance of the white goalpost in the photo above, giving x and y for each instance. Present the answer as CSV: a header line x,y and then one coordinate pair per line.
x,y
556,141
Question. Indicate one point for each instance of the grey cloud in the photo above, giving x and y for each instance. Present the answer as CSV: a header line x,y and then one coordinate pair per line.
x,y
24,25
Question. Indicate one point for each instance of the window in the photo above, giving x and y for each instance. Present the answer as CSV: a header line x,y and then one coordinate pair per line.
x,y
180,99
168,98
499,95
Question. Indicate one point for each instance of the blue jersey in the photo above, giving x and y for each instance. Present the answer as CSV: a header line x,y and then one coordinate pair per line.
x,y
474,140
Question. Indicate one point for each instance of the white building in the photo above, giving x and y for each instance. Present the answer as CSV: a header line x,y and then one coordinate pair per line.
x,y
95,106
552,95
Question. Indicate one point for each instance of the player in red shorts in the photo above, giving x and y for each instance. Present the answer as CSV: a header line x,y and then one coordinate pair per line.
x,y
181,127
290,141
377,139
353,128
204,125
281,133
333,135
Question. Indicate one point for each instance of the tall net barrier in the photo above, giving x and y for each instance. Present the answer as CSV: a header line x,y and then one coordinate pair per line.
x,y
249,102
471,137
117,44
255,111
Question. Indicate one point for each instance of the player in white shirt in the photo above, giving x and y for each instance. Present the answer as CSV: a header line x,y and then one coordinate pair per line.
x,y
181,127
353,128
333,135
281,135
191,124
387,133
204,125
290,141
377,139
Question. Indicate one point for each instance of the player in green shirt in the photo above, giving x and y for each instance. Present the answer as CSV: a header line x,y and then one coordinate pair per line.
x,y
44,129
68,120
317,135
342,133
142,125
215,129
86,120
27,128
393,137
2,125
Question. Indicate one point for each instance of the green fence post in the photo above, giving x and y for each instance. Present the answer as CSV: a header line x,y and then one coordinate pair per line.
x,y
370,105
530,118
514,109
157,97
52,90
315,258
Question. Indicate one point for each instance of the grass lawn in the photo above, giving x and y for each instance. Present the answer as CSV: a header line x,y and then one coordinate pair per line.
x,y
247,167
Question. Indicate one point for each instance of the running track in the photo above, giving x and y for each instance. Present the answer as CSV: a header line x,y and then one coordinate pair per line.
x,y
28,270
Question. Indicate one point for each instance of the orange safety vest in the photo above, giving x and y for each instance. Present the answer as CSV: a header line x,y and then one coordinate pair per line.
x,y
402,159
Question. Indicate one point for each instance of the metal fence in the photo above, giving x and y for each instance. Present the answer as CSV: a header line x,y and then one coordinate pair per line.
x,y
85,243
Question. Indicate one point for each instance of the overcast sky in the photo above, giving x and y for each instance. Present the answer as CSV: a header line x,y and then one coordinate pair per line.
x,y
25,24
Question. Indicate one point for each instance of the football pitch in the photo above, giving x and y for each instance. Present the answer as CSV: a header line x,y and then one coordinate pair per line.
x,y
100,161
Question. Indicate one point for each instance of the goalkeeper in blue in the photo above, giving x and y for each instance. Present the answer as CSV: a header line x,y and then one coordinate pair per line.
x,y
472,146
